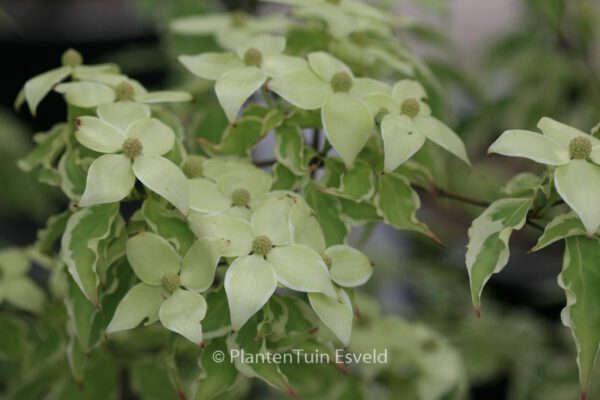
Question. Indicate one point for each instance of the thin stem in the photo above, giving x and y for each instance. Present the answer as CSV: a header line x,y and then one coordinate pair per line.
x,y
267,97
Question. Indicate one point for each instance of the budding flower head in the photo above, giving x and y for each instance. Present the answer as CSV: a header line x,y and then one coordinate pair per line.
x,y
410,107
170,282
253,57
381,114
327,260
132,148
124,91
262,245
341,82
240,198
193,167
580,148
71,58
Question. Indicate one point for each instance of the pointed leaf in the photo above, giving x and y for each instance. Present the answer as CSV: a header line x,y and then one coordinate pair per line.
x,y
200,263
139,307
39,86
249,283
302,89
561,227
80,245
301,268
235,87
211,66
336,313
182,313
401,139
537,147
487,251
99,135
578,183
440,134
348,123
151,257
164,178
109,179
86,94
580,278
236,231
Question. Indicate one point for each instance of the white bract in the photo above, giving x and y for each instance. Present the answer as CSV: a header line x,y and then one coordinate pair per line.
x,y
265,255
239,74
230,30
95,89
343,17
16,287
575,156
237,186
170,288
39,86
133,144
330,85
406,122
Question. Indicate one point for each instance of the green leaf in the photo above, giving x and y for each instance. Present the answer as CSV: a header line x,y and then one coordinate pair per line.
x,y
561,227
397,203
246,340
487,251
401,139
358,213
169,224
302,89
290,148
81,317
216,377
150,380
54,229
49,146
580,278
440,134
327,209
284,178
357,183
80,245
216,323
239,138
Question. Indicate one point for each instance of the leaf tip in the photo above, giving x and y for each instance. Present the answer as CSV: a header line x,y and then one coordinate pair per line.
x,y
435,238
583,395
477,310
291,393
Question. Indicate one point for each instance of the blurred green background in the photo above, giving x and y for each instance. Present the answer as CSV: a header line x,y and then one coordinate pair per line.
x,y
500,64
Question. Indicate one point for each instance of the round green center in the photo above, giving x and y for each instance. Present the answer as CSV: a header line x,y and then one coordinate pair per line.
x,y
580,148
410,107
240,198
253,57
71,58
262,245
125,91
170,282
132,148
239,19
193,167
341,82
327,259
380,114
